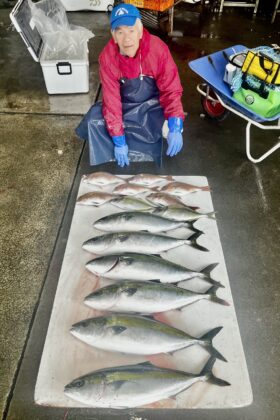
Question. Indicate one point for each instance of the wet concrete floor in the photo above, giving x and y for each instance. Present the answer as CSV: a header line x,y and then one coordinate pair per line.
x,y
42,164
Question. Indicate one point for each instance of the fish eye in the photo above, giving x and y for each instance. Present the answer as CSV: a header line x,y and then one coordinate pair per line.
x,y
79,383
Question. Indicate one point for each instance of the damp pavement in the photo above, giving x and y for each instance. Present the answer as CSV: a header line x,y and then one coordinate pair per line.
x,y
41,166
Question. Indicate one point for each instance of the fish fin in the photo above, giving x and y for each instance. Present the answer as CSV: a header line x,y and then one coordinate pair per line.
x,y
155,280
207,339
208,269
149,316
207,371
118,329
214,282
206,275
145,364
191,226
211,215
192,241
193,208
205,188
118,384
214,298
130,291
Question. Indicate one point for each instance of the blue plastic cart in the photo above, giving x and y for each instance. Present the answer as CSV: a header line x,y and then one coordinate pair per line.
x,y
217,97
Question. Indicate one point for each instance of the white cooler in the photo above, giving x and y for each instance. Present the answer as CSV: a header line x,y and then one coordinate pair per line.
x,y
62,74
95,5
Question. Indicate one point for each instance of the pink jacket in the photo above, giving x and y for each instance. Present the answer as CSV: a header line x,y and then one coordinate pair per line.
x,y
156,61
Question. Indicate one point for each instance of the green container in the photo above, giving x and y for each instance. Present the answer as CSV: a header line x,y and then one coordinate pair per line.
x,y
267,108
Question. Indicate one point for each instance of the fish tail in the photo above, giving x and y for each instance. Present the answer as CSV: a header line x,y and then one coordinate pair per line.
x,y
192,241
207,371
191,226
205,273
169,178
207,343
211,215
205,188
214,298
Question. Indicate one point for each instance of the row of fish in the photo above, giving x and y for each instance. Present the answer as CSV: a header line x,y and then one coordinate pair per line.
x,y
146,284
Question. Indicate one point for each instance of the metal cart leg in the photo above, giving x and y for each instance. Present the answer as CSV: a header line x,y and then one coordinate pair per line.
x,y
170,20
275,11
248,144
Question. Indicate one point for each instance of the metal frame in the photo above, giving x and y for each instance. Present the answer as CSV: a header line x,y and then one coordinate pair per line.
x,y
254,4
201,89
275,11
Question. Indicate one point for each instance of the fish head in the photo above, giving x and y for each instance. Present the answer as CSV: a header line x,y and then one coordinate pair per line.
x,y
104,298
88,389
97,244
100,266
89,328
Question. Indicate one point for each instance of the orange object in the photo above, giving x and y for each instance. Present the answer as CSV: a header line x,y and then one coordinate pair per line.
x,y
159,5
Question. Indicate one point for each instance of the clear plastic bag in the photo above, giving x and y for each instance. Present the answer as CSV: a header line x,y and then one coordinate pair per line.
x,y
59,37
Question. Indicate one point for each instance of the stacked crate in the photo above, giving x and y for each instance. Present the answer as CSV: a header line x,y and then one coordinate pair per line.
x,y
158,5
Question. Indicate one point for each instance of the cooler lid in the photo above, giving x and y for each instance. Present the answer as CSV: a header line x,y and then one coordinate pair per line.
x,y
22,19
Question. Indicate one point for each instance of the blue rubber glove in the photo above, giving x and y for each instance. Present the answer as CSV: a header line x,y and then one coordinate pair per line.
x,y
120,150
174,138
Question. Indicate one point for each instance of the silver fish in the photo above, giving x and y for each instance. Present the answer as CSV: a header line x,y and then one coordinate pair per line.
x,y
102,179
137,221
132,203
181,214
95,198
135,385
165,200
134,334
142,242
130,189
146,267
146,297
149,180
181,188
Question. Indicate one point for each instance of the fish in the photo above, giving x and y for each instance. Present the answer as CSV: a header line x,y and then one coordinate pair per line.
x,y
102,179
181,188
132,203
137,221
95,198
130,189
142,242
129,386
149,180
181,214
147,267
135,334
146,297
165,200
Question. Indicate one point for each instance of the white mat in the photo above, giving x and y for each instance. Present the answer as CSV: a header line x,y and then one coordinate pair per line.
x,y
65,358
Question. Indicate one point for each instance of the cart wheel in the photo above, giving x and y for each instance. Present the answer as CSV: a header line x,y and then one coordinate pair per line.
x,y
214,110
110,8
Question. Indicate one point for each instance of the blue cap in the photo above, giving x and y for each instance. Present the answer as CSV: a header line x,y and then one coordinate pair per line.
x,y
124,15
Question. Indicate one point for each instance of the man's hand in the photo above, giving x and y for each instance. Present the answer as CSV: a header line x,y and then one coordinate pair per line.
x,y
174,138
120,150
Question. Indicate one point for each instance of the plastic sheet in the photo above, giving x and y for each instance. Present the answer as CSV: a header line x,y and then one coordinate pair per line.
x,y
59,37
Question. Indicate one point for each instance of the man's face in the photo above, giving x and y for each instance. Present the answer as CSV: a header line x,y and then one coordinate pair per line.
x,y
128,39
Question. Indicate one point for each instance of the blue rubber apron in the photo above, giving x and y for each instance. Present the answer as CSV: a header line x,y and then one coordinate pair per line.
x,y
143,120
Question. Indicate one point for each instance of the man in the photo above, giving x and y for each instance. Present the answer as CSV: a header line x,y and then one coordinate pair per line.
x,y
141,88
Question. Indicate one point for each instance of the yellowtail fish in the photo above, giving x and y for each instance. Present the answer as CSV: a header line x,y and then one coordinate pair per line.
x,y
135,385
